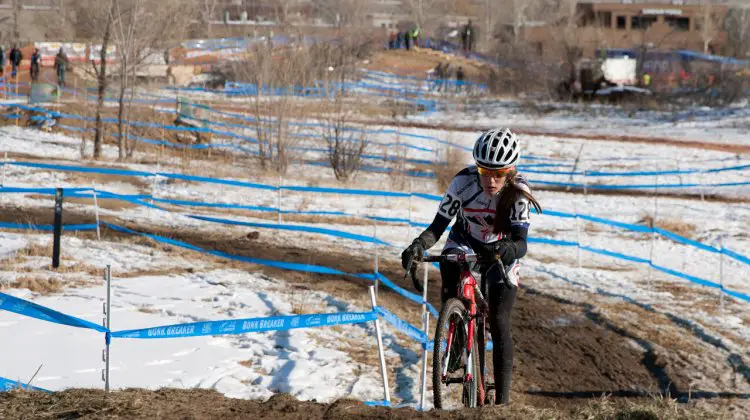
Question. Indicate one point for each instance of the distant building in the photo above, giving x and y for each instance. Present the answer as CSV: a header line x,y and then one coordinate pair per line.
x,y
626,25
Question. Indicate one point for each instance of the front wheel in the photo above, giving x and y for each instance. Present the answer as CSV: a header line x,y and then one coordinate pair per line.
x,y
450,368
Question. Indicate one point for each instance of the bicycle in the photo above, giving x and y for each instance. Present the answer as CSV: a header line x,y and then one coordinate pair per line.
x,y
459,353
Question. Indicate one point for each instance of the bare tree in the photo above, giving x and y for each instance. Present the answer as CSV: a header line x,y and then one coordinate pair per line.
x,y
708,26
207,12
345,142
272,75
141,30
426,13
342,13
739,31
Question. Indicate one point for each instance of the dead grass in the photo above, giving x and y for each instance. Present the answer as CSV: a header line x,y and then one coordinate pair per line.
x,y
452,161
300,299
681,228
37,285
171,404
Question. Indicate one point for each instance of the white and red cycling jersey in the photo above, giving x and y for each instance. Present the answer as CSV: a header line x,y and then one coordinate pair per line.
x,y
474,210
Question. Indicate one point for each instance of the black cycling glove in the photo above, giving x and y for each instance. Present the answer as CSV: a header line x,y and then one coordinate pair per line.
x,y
413,253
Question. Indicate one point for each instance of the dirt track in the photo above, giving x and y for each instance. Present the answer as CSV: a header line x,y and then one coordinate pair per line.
x,y
566,352
169,404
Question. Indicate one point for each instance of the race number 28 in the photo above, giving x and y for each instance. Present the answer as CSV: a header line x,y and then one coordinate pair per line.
x,y
450,206
519,212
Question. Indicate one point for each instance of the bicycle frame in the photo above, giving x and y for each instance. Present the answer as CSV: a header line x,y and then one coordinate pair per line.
x,y
469,292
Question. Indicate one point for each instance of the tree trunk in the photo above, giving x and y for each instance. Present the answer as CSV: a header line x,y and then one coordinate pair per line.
x,y
102,89
120,112
121,141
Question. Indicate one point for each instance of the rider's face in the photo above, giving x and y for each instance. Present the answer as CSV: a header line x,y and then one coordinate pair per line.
x,y
492,184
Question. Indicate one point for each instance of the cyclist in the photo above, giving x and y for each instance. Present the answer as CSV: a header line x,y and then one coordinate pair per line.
x,y
491,202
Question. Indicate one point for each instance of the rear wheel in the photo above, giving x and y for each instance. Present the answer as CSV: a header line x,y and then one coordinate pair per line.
x,y
449,364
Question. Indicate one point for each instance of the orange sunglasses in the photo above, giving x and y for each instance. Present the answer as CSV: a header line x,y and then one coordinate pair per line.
x,y
494,173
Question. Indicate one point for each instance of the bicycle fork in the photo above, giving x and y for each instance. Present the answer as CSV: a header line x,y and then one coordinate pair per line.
x,y
451,331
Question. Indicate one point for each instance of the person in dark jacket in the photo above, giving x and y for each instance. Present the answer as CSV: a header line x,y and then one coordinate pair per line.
x,y
36,61
459,79
61,65
2,61
15,57
467,37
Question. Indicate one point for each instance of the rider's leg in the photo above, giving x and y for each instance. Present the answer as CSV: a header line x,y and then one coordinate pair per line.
x,y
501,305
449,274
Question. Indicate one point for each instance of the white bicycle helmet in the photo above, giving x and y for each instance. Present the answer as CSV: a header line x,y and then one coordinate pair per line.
x,y
497,149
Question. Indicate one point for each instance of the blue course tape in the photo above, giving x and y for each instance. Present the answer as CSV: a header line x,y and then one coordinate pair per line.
x,y
247,325
296,228
70,168
23,307
692,279
47,228
377,403
8,385
405,293
736,256
401,325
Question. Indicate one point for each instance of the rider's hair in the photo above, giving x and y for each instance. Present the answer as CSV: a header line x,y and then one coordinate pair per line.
x,y
511,192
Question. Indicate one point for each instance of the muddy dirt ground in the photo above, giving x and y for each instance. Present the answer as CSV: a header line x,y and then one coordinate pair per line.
x,y
168,404
566,353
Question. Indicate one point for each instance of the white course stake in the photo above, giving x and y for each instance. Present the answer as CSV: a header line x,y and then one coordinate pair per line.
x,y
381,352
106,322
377,257
653,228
278,197
153,183
721,276
5,168
408,225
578,236
426,327
96,214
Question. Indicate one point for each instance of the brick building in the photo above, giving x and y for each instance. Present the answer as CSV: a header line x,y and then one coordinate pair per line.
x,y
625,25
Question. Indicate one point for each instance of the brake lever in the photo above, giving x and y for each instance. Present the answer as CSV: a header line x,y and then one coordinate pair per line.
x,y
415,279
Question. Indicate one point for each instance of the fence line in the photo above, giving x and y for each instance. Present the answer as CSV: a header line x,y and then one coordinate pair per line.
x,y
342,191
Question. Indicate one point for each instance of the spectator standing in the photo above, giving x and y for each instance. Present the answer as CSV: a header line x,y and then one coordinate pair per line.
x,y
467,37
415,36
61,65
15,57
459,78
36,61
2,61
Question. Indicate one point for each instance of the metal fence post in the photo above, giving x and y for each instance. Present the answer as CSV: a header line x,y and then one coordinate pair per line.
x,y
381,352
57,233
426,327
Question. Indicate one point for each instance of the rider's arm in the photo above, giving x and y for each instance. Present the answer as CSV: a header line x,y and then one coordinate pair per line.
x,y
449,207
432,234
518,235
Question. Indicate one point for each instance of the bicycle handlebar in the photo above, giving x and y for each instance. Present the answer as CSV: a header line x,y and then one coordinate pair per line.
x,y
454,258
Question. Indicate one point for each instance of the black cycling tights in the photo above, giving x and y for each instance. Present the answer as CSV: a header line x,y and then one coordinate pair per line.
x,y
501,304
